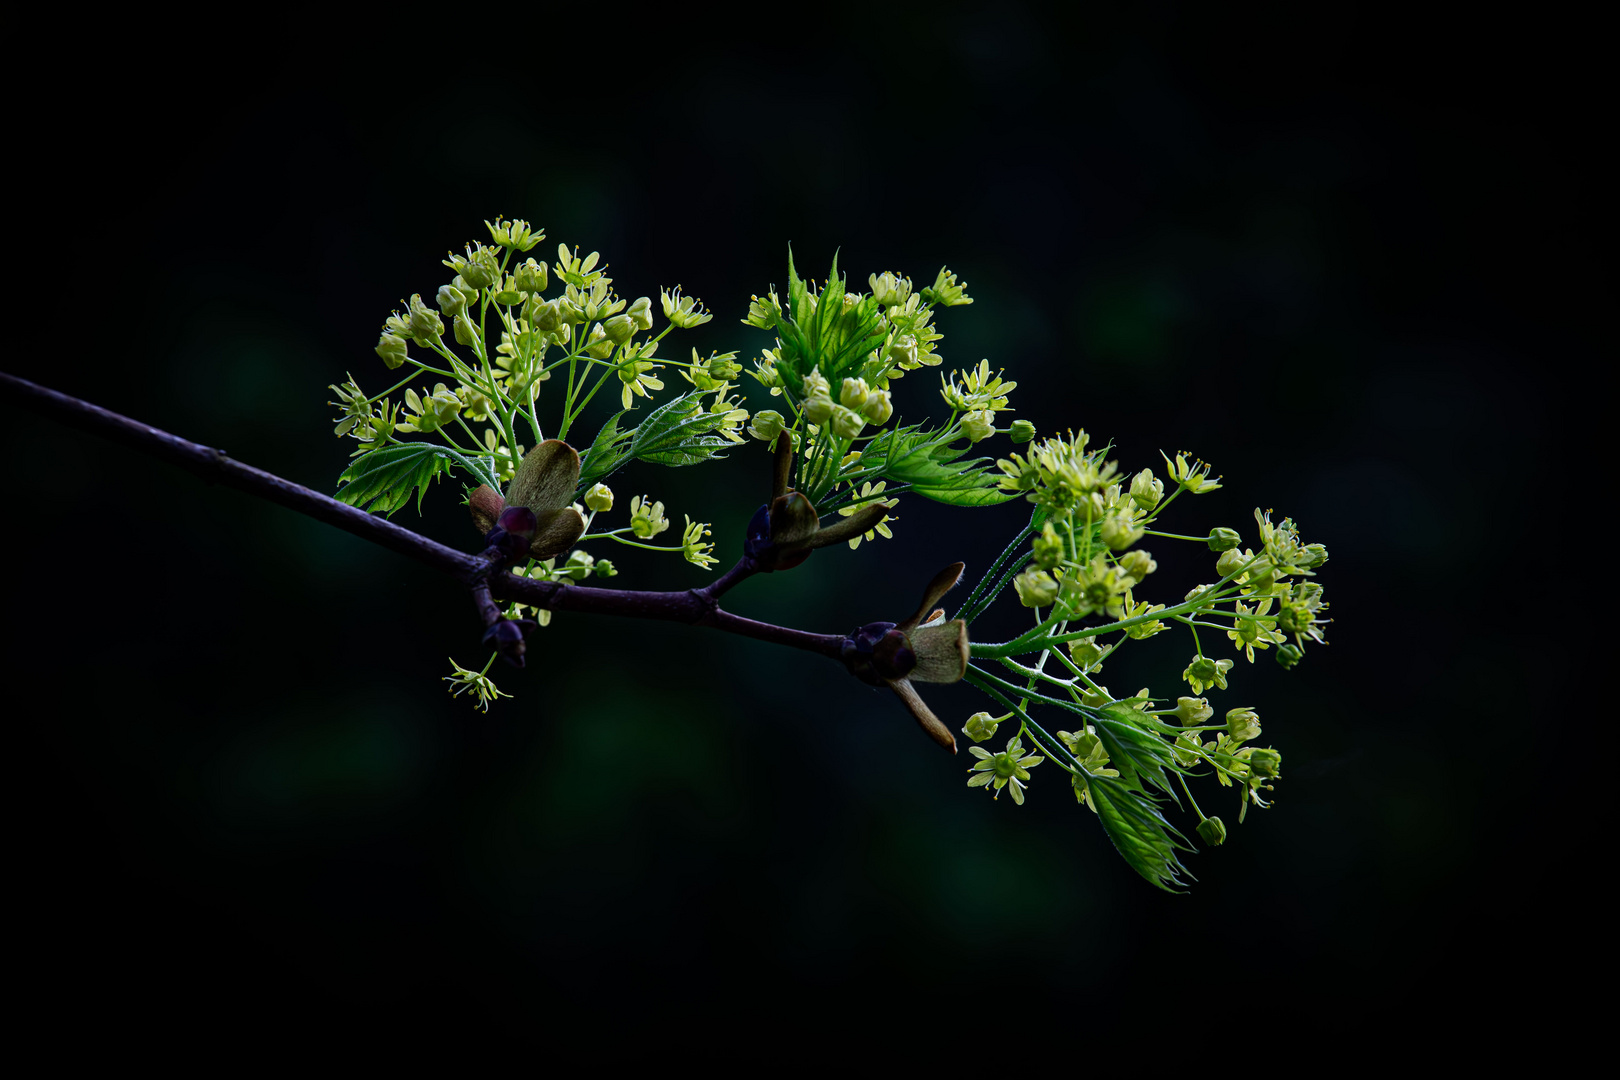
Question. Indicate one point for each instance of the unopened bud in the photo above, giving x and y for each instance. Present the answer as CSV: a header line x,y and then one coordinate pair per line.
x,y
846,423
853,394
979,425
767,425
1242,725
1193,711
641,312
1022,431
1145,490
619,329
1288,656
605,568
531,277
1265,762
599,498
466,332
981,726
1213,831
818,407
426,326
878,408
1138,564
451,300
392,349
1221,539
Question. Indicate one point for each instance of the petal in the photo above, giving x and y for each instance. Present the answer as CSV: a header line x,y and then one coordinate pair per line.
x,y
546,478
556,533
486,505
929,722
943,582
942,652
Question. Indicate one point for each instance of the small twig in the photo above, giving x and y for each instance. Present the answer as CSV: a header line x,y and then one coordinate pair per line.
x,y
484,572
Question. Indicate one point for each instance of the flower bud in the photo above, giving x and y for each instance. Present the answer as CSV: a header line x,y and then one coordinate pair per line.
x,y
1145,490
578,566
979,425
605,568
1221,539
1138,564
1265,762
1231,559
392,349
853,394
1288,656
767,425
1193,711
599,498
1048,547
641,312
1315,555
1242,725
818,407
466,332
846,423
548,317
531,277
426,326
981,726
878,408
451,300
619,329
904,351
1036,588
1086,654
1022,431
599,345
722,369
1120,531
1213,831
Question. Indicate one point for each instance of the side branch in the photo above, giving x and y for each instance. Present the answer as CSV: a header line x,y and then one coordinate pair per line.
x,y
693,606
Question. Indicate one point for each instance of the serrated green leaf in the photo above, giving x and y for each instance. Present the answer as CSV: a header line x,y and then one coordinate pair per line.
x,y
1139,832
607,453
1138,754
915,457
384,479
679,432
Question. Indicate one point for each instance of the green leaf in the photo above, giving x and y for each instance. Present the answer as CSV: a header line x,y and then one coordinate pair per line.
x,y
915,457
384,479
1139,832
607,453
1137,753
679,432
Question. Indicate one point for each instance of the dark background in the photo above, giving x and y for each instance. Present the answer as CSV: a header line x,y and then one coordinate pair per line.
x,y
1345,259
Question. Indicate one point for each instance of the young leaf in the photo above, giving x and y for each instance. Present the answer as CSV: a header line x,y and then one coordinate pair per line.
x,y
678,432
1139,832
934,471
607,452
384,479
1139,755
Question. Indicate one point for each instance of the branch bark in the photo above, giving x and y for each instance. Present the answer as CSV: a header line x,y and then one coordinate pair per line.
x,y
699,607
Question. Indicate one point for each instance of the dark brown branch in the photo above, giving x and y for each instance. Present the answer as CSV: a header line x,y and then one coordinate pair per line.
x,y
482,571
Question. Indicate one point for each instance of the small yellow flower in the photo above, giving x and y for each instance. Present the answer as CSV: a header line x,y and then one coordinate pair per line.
x,y
863,500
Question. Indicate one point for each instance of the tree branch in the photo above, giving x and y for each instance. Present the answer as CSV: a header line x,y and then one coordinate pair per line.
x,y
484,571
